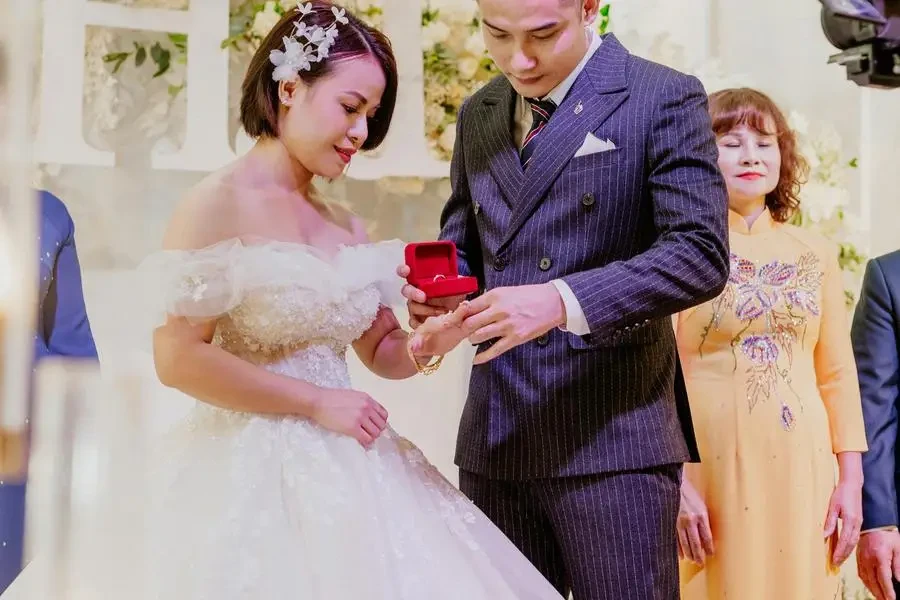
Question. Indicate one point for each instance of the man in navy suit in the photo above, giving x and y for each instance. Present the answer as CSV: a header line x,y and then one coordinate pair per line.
x,y
876,345
588,203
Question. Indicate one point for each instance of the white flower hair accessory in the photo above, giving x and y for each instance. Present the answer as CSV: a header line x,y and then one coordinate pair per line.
x,y
307,45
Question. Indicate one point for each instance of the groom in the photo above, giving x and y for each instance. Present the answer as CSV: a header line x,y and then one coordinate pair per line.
x,y
587,201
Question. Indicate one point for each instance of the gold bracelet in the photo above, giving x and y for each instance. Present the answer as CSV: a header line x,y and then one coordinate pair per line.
x,y
422,369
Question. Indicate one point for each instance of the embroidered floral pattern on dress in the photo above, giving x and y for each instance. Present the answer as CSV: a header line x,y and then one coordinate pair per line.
x,y
784,295
197,287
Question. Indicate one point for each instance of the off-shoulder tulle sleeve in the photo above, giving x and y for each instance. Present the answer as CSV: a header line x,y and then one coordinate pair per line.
x,y
376,263
197,284
206,284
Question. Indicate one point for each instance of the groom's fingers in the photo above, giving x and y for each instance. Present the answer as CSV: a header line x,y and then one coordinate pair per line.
x,y
479,319
486,333
483,302
502,345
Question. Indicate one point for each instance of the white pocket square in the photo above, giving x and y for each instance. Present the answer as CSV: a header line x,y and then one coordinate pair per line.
x,y
592,144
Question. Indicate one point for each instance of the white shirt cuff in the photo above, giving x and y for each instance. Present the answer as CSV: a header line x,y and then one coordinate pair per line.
x,y
576,322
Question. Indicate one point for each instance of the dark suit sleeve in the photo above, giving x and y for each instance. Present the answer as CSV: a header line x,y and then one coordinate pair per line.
x,y
688,262
458,217
66,326
874,334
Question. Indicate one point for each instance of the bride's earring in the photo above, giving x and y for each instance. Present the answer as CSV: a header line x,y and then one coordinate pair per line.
x,y
286,92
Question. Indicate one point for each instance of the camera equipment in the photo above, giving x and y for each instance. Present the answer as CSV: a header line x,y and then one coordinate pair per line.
x,y
868,33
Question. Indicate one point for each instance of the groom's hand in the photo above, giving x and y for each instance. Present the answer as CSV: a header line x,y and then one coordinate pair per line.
x,y
420,307
513,316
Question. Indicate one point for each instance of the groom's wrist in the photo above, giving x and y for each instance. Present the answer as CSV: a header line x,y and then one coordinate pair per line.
x,y
574,319
562,313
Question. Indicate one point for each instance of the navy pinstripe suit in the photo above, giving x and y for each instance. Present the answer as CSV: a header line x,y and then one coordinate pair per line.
x,y
573,444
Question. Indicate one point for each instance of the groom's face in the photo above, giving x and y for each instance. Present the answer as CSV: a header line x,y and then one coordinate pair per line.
x,y
536,43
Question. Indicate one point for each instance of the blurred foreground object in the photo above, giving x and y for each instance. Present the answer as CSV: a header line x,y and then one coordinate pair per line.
x,y
89,489
18,228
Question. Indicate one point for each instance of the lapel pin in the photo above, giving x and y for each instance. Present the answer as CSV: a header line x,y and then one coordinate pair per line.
x,y
578,108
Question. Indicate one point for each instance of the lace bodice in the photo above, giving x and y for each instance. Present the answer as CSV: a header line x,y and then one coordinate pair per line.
x,y
285,306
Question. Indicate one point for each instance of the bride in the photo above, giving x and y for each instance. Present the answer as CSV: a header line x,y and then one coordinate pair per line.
x,y
284,483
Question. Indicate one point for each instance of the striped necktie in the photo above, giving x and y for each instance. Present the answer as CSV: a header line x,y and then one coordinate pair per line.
x,y
541,111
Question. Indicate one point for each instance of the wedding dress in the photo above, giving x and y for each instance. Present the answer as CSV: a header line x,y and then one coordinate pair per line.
x,y
277,508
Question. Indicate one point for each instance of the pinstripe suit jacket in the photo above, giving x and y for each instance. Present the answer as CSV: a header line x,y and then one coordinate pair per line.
x,y
638,233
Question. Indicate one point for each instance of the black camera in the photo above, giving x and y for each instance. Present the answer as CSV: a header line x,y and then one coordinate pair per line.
x,y
868,33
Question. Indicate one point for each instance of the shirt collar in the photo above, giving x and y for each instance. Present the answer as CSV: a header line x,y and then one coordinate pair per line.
x,y
558,94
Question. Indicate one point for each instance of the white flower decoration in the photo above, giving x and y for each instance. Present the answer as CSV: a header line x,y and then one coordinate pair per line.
x,y
289,63
340,15
308,44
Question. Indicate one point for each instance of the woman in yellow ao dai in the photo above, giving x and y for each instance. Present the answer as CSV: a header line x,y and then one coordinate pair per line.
x,y
772,384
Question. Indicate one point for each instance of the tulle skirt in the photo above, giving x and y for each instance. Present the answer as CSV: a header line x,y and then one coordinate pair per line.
x,y
270,508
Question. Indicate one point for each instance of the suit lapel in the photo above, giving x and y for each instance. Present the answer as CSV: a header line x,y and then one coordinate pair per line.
x,y
497,139
598,91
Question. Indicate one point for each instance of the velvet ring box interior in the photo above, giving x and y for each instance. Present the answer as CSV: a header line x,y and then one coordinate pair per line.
x,y
434,270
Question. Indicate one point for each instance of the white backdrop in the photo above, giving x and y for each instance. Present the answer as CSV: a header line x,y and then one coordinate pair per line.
x,y
121,200
781,46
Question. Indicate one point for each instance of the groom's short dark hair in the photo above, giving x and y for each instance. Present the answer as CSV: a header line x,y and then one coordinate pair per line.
x,y
260,102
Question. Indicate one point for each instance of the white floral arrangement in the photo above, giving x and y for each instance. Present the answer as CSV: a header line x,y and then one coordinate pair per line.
x,y
455,66
455,61
251,21
824,199
454,57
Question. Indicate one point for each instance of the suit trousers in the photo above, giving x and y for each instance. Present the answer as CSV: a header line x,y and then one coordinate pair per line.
x,y
607,536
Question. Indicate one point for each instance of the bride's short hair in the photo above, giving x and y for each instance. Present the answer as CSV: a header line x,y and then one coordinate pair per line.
x,y
259,93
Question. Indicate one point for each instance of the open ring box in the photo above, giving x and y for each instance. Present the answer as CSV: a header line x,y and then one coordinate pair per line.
x,y
434,270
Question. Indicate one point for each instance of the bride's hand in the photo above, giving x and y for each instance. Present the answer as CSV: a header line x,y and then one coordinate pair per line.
x,y
352,413
439,335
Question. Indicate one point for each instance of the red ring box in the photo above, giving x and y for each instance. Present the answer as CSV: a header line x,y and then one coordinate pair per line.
x,y
434,270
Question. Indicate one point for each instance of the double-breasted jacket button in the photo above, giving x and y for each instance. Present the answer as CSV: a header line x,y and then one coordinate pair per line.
x,y
545,264
543,340
499,264
588,200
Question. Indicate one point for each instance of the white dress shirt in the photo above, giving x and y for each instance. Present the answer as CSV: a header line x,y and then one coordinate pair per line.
x,y
575,319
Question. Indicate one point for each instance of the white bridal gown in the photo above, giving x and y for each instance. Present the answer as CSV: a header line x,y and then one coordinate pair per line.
x,y
257,507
